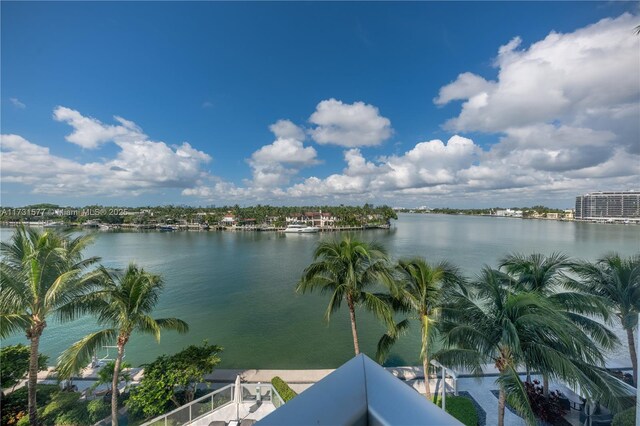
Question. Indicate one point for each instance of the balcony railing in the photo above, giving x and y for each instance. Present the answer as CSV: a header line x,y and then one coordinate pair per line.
x,y
215,400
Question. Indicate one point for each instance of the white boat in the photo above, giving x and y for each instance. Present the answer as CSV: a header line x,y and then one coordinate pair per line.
x,y
298,228
54,225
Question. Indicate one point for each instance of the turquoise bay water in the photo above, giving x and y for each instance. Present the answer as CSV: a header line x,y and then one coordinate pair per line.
x,y
236,289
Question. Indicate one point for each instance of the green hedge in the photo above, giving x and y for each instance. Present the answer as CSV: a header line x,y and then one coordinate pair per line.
x,y
461,408
283,389
625,418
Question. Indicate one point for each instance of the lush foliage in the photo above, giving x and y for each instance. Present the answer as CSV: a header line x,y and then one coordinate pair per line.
x,y
500,322
348,215
625,418
616,280
14,405
167,374
547,408
283,389
461,408
65,409
14,360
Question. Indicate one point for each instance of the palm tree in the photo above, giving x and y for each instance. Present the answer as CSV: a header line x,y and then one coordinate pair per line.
x,y
545,275
124,304
500,324
617,280
41,272
421,291
348,269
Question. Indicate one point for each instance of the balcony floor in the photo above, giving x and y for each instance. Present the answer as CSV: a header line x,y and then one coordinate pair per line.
x,y
228,413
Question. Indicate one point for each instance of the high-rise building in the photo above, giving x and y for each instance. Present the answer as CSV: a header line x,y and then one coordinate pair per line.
x,y
611,206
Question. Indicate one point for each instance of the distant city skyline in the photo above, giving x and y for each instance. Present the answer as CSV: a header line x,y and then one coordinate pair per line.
x,y
461,105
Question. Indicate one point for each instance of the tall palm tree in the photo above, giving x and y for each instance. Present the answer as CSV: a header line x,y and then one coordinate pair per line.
x,y
421,291
617,280
41,272
508,327
349,269
546,275
123,304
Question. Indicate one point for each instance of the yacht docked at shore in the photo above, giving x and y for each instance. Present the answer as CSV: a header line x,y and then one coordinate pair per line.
x,y
300,228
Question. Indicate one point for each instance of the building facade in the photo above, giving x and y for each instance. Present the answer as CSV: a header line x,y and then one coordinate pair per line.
x,y
621,206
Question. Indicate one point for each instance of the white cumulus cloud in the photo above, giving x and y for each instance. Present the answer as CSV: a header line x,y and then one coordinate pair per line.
x,y
273,165
349,125
140,165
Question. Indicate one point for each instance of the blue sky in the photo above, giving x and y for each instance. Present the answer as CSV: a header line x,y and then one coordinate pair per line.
x,y
440,104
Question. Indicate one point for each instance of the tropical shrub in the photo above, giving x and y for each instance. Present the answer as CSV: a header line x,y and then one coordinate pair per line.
x,y
15,405
625,418
98,410
14,360
461,408
61,403
548,409
76,415
184,370
283,389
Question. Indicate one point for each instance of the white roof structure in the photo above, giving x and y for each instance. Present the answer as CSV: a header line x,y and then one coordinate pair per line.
x,y
359,393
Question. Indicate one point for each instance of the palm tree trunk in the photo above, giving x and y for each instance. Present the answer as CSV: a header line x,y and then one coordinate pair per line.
x,y
114,383
633,355
545,386
33,379
425,368
501,404
354,328
425,358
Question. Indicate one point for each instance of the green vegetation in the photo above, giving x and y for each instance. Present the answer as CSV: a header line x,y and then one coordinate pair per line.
x,y
461,408
14,406
105,375
545,275
625,418
348,269
420,291
65,409
275,215
616,281
123,304
283,389
41,273
184,370
14,360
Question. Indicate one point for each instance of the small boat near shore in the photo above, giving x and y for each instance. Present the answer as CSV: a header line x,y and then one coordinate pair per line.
x,y
298,228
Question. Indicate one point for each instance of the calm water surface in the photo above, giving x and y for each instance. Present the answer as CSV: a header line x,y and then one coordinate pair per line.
x,y
236,289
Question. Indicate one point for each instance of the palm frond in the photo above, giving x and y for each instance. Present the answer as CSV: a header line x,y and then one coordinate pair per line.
x,y
77,356
388,339
13,323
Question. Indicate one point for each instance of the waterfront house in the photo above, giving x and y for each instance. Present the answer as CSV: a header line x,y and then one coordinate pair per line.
x,y
319,219
228,219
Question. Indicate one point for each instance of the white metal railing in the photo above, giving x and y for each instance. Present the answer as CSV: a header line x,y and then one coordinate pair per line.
x,y
444,370
200,407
